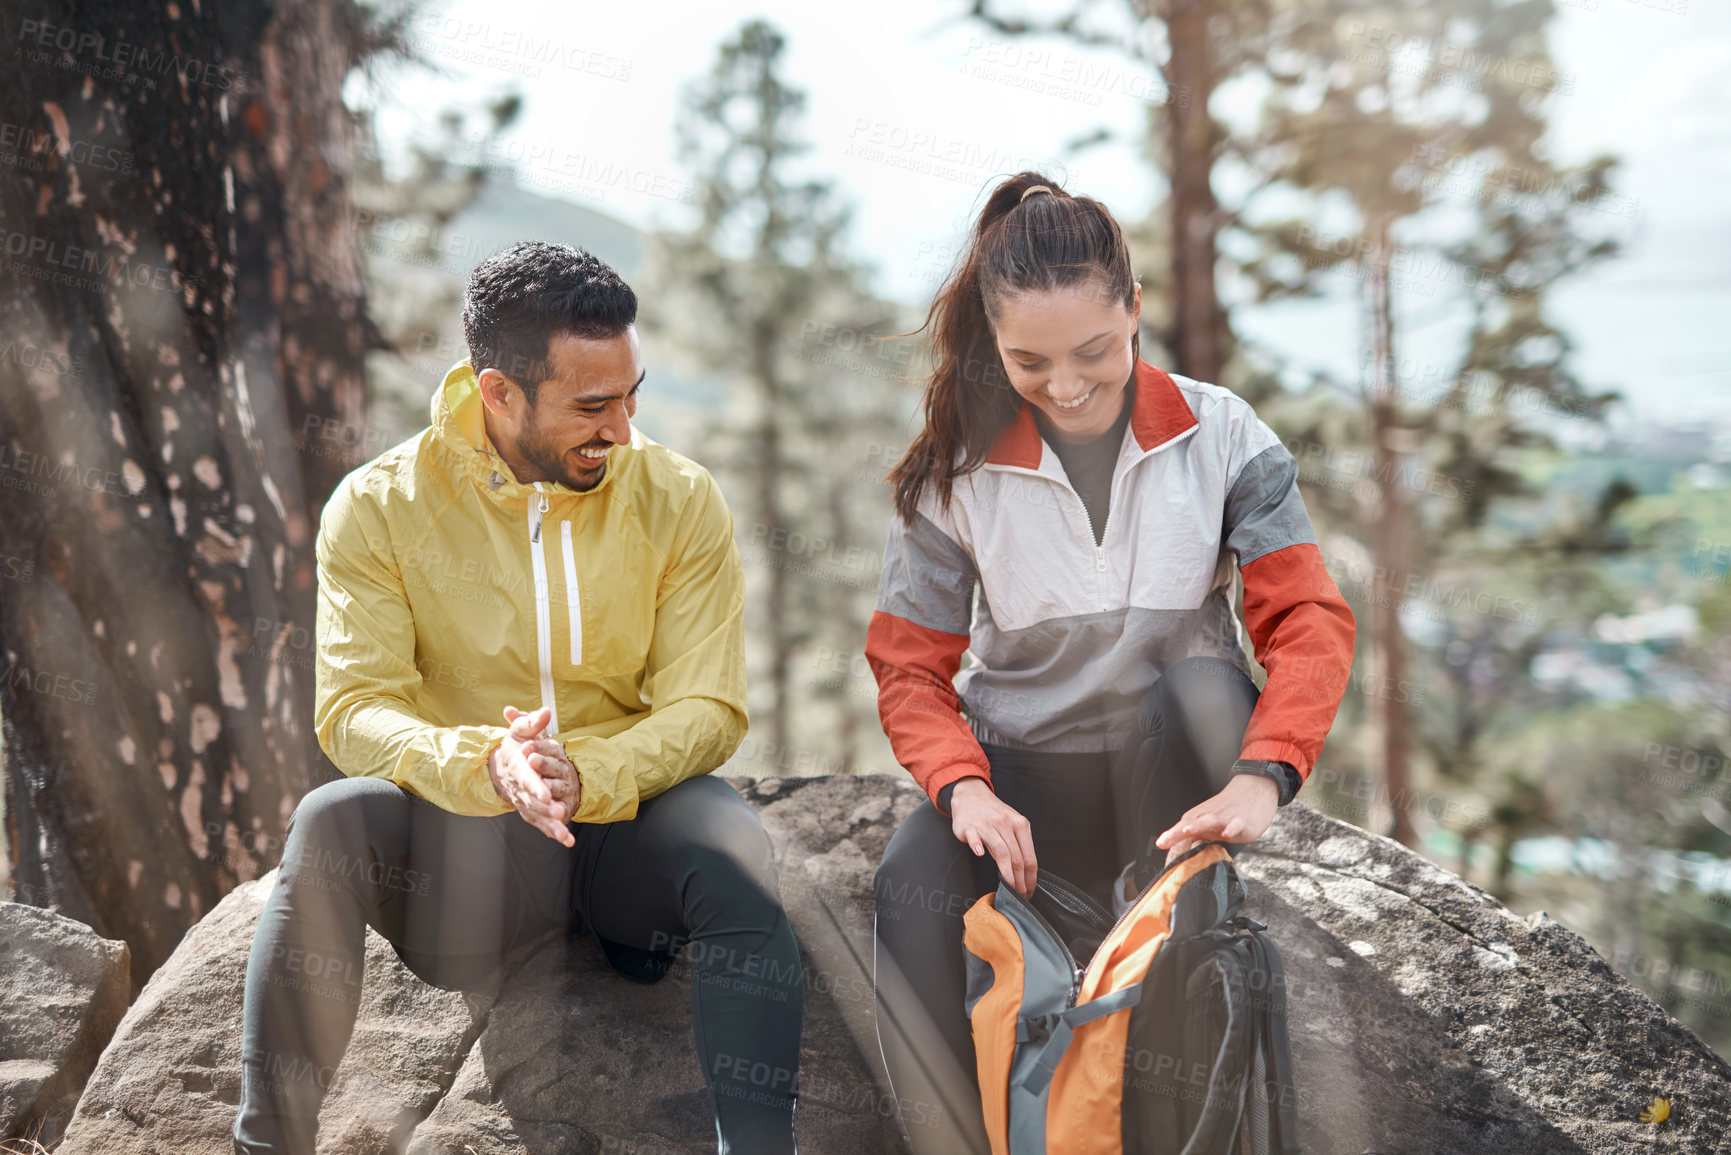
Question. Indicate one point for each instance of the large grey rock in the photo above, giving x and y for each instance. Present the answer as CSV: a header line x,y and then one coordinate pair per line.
x,y
63,989
170,1080
619,1073
1425,1018
556,1054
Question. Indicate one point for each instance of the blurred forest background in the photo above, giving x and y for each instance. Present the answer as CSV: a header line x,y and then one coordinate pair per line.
x,y
220,295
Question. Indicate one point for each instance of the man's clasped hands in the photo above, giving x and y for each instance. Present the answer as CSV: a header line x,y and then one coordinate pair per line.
x,y
533,773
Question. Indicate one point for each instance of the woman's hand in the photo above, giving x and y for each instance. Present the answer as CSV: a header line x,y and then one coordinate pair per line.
x,y
979,819
1239,813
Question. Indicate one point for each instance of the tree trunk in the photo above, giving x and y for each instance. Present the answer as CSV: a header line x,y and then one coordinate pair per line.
x,y
1390,549
1507,833
1464,860
181,306
1199,325
770,466
847,726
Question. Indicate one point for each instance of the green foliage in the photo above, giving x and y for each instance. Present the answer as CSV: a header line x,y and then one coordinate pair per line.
x,y
1401,145
402,228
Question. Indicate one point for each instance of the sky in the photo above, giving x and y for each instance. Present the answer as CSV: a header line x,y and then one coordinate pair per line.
x,y
913,110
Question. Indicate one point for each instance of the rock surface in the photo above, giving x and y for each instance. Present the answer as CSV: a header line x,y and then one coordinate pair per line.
x,y
63,990
490,1071
1426,1018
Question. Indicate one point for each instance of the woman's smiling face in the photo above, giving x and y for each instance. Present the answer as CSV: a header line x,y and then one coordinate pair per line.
x,y
1069,353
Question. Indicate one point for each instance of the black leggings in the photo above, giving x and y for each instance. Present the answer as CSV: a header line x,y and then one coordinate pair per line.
x,y
454,894
1089,815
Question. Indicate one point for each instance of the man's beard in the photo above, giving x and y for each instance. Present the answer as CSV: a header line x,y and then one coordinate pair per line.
x,y
551,461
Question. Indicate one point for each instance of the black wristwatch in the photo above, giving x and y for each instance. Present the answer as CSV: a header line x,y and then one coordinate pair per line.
x,y
1282,773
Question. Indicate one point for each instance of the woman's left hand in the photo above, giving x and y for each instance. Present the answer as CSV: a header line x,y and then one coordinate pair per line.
x,y
1239,813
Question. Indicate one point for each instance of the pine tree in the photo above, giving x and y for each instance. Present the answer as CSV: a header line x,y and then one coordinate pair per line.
x,y
403,224
1399,120
749,293
1380,116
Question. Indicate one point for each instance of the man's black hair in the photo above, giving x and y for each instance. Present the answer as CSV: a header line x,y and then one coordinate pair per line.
x,y
521,297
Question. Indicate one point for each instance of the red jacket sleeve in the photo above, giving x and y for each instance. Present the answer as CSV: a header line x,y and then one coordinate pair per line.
x,y
1302,630
914,646
917,701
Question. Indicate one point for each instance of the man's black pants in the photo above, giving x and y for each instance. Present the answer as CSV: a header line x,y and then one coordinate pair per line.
x,y
1089,814
454,894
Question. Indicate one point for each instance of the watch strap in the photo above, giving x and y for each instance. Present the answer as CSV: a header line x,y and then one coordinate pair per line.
x,y
1282,774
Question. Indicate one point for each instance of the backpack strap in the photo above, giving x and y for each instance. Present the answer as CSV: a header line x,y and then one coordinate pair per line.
x,y
1052,1033
1277,1048
1222,1105
1256,1132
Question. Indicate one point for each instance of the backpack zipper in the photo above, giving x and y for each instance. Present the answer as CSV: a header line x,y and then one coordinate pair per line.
x,y
1075,971
1075,899
1146,891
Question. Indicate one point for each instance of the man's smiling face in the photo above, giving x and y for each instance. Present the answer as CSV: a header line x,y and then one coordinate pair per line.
x,y
581,410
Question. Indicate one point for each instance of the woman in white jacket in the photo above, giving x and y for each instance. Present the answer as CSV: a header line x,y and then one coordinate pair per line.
x,y
1104,511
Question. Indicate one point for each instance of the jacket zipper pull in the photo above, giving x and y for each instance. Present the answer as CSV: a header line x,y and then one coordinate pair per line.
x,y
540,511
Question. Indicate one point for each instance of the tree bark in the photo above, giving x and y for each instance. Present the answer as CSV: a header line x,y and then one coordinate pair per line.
x,y
847,725
181,314
771,467
1389,543
1199,326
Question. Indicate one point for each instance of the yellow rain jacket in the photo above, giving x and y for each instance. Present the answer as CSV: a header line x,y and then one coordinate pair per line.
x,y
447,591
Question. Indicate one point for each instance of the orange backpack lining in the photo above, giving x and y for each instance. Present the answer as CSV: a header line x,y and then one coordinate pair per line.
x,y
1085,1097
991,937
1088,1090
1113,965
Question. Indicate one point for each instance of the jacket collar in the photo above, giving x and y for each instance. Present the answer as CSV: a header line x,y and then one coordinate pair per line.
x,y
1160,414
459,425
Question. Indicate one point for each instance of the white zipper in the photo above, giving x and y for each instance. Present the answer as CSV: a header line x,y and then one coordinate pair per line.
x,y
1098,548
543,626
571,601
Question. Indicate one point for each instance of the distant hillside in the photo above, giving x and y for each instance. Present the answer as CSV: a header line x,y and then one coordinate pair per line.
x,y
506,212
675,406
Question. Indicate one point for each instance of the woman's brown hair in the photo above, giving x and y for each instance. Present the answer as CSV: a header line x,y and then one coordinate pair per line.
x,y
1021,243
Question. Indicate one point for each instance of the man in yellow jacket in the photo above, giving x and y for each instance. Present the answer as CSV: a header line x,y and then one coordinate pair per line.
x,y
530,656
